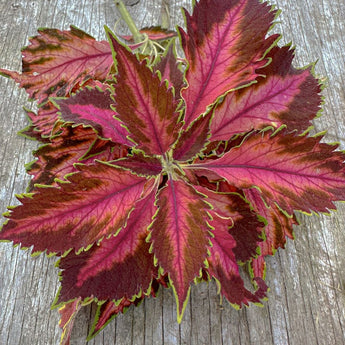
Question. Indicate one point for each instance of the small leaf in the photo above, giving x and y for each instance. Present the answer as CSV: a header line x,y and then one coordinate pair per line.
x,y
92,107
179,236
143,103
140,164
119,267
56,60
95,203
223,50
286,96
68,314
193,140
42,123
170,71
223,266
296,172
243,224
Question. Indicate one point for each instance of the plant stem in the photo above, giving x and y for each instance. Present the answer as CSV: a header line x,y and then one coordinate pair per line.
x,y
137,36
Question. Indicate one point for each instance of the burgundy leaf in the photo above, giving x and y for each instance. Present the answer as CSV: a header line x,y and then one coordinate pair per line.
x,y
180,236
119,267
95,203
170,71
92,107
286,96
143,103
140,164
296,172
224,49
223,267
56,60
193,140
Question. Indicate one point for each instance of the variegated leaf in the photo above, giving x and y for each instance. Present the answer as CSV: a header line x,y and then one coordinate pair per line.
x,y
224,50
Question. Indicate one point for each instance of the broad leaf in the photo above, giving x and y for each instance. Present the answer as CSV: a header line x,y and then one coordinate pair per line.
x,y
56,60
92,107
143,103
297,172
224,49
285,96
180,236
223,267
96,202
119,267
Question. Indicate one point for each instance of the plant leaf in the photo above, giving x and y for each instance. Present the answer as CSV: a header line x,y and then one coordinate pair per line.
x,y
193,140
170,71
223,50
71,145
57,60
243,224
143,103
119,267
285,96
68,313
180,237
140,164
223,267
92,107
95,203
279,225
42,123
296,172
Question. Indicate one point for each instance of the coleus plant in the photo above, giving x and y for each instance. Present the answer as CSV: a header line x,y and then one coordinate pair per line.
x,y
158,171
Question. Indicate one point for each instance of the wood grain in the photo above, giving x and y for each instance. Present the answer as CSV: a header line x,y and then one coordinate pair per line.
x,y
306,302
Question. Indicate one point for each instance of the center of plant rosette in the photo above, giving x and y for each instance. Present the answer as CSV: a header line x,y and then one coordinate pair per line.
x,y
157,171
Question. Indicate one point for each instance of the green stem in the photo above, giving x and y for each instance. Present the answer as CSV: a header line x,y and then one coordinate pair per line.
x,y
137,36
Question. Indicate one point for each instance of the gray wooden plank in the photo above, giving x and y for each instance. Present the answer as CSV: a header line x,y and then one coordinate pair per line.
x,y
307,298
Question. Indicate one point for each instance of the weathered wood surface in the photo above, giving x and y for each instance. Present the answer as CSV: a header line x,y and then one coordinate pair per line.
x,y
307,298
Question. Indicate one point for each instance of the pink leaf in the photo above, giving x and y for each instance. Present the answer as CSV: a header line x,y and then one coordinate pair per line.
x,y
223,267
95,203
119,267
224,49
57,60
180,236
296,172
193,140
140,164
144,104
285,96
92,107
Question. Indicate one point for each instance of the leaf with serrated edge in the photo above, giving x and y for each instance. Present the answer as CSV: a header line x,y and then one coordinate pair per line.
x,y
224,268
57,60
223,50
285,96
170,71
92,107
68,313
94,203
193,140
119,267
144,104
180,237
140,164
56,159
296,172
243,223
